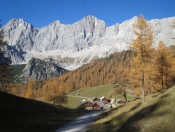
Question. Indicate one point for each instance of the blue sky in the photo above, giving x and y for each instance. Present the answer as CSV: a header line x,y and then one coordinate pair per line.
x,y
42,12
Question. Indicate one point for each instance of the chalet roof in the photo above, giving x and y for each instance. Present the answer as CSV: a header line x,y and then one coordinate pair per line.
x,y
83,101
100,104
102,97
94,98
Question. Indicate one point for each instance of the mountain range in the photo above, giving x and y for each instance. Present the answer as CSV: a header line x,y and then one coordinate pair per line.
x,y
72,45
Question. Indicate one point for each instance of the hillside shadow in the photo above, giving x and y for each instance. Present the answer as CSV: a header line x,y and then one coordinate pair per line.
x,y
109,124
165,96
138,122
19,114
145,113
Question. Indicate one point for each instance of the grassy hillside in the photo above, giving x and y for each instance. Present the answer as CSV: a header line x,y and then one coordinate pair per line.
x,y
23,115
97,91
157,114
16,71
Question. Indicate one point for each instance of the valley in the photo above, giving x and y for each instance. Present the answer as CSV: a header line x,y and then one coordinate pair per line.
x,y
88,75
107,91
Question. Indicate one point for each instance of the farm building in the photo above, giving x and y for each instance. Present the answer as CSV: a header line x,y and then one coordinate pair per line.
x,y
107,106
104,100
98,105
77,94
94,99
102,103
120,102
86,104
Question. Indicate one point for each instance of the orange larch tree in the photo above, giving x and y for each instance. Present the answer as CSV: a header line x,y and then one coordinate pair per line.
x,y
164,62
142,45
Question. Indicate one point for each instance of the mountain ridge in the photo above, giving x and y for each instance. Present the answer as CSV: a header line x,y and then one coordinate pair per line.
x,y
82,41
58,21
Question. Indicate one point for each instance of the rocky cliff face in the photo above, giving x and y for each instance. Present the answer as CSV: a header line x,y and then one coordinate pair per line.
x,y
79,42
40,70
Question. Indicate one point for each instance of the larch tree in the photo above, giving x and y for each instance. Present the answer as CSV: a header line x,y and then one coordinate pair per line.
x,y
149,76
60,98
164,62
29,90
142,45
5,70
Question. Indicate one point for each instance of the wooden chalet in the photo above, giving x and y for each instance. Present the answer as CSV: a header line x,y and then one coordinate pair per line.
x,y
104,100
120,102
86,104
95,99
98,105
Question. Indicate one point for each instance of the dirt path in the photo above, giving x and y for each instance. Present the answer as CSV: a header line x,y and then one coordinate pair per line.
x,y
82,123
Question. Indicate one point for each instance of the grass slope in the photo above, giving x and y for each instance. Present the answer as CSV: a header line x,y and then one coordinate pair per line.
x,y
97,91
24,115
157,114
16,71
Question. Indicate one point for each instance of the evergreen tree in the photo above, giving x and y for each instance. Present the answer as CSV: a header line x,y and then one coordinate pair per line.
x,y
60,98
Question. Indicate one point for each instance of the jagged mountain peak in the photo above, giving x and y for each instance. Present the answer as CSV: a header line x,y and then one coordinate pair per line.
x,y
79,42
18,23
86,19
90,19
18,20
55,23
